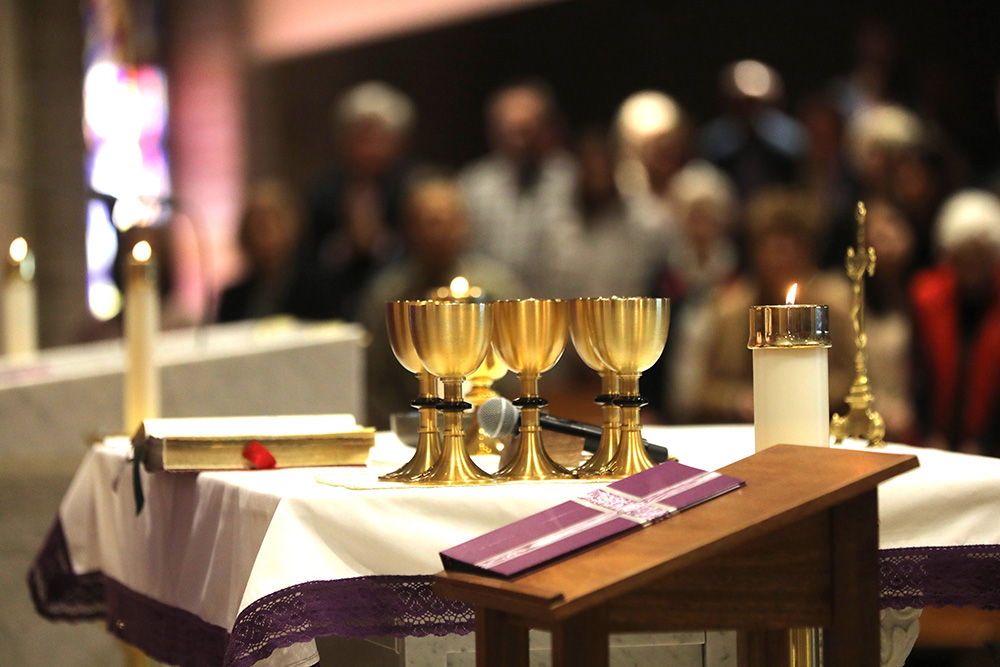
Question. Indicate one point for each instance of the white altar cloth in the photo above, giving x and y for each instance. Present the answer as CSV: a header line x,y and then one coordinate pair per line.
x,y
214,544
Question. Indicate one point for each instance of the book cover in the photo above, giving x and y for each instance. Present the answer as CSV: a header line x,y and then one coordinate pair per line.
x,y
596,517
218,443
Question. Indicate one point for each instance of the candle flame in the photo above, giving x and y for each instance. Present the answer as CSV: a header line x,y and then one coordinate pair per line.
x,y
19,249
141,252
790,298
459,287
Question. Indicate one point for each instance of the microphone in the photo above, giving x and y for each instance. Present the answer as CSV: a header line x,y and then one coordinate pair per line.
x,y
498,417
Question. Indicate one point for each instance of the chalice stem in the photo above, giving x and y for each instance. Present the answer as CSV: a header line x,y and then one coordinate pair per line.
x,y
610,427
631,456
428,438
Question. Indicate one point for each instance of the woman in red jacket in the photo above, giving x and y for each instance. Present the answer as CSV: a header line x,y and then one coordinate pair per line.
x,y
956,309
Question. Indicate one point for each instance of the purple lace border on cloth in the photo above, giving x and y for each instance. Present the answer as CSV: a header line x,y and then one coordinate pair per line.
x,y
381,606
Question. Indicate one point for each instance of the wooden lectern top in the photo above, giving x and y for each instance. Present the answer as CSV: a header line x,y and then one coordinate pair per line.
x,y
784,484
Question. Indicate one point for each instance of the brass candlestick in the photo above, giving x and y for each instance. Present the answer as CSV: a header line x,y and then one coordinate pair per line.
x,y
451,340
397,319
629,336
491,370
529,337
581,328
860,421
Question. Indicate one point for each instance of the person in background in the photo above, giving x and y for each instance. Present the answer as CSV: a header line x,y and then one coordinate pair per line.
x,y
894,158
874,78
702,259
353,221
956,310
783,232
876,138
654,142
519,196
888,319
753,141
609,250
436,227
827,176
270,229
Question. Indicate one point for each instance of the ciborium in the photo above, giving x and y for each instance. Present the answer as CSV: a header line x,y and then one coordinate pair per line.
x,y
451,340
629,335
581,327
397,320
529,336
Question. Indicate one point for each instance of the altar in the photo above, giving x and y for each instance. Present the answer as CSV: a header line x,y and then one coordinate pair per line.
x,y
248,568
54,406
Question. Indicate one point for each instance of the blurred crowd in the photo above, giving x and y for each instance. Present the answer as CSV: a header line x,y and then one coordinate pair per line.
x,y
717,215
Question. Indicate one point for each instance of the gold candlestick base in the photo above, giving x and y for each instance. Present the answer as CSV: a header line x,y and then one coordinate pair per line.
x,y
860,421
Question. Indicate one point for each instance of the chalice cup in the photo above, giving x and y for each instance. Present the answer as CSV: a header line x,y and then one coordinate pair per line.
x,y
529,336
581,333
451,340
397,320
629,335
491,370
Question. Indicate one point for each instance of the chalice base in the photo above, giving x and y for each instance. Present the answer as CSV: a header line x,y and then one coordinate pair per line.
x,y
532,461
631,457
596,465
454,466
427,454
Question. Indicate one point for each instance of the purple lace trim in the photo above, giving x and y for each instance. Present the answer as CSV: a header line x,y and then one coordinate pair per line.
x,y
959,576
59,593
376,606
382,606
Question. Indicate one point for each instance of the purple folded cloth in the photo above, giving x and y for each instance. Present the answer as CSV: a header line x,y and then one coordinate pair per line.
x,y
603,514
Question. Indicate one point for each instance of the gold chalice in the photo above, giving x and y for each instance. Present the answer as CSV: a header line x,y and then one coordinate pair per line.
x,y
581,326
491,370
529,337
451,340
397,320
629,335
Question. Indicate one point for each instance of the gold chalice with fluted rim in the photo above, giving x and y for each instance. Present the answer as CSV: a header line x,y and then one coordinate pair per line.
x,y
581,326
451,340
529,336
397,320
629,335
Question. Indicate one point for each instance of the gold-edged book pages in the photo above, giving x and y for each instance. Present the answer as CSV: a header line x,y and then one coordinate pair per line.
x,y
217,443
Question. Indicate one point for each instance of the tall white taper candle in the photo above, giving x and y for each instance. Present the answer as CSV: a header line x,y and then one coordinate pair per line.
x,y
142,325
791,386
20,304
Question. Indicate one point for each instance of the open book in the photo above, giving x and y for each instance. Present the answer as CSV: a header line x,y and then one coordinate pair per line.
x,y
218,443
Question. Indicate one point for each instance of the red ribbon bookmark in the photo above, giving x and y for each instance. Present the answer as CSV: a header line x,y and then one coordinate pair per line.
x,y
258,456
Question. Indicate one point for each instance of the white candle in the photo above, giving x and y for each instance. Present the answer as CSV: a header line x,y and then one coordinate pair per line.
x,y
142,325
791,386
20,304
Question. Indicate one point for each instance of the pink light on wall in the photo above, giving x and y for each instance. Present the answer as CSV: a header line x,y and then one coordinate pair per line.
x,y
286,28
